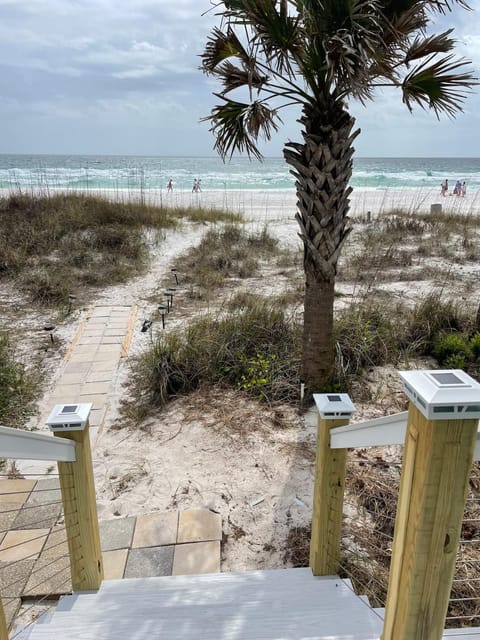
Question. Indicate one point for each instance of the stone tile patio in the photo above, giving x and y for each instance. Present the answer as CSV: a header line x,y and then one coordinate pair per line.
x,y
34,558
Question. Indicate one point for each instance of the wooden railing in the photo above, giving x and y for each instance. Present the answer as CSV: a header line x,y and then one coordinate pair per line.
x,y
71,450
437,460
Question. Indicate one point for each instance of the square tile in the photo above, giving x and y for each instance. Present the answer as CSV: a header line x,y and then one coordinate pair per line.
x,y
51,574
15,490
195,525
149,562
116,534
8,512
94,387
96,417
22,544
196,557
13,577
98,401
156,529
43,507
77,367
72,379
114,564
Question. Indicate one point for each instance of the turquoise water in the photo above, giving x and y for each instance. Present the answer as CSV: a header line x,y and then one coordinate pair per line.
x,y
150,172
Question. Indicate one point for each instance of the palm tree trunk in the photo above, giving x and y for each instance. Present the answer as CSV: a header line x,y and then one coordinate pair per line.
x,y
317,364
322,166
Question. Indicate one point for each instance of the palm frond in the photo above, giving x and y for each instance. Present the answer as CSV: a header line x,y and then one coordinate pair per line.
x,y
237,126
444,6
438,85
234,77
221,46
422,47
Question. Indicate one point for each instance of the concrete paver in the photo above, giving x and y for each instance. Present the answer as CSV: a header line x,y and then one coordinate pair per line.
x,y
196,557
156,529
114,563
115,534
51,573
22,544
199,524
15,490
150,562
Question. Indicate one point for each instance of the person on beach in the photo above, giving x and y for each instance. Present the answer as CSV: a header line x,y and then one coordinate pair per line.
x,y
170,185
444,187
458,188
464,189
195,186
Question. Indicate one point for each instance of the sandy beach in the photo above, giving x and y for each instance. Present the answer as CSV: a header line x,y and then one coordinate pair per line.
x,y
270,205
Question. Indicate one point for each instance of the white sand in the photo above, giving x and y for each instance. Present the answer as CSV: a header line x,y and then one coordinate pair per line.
x,y
272,205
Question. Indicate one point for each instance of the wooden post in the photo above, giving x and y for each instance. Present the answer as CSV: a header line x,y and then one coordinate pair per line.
x,y
437,460
3,623
330,471
80,507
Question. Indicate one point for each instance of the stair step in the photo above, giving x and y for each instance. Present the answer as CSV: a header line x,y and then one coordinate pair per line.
x,y
285,604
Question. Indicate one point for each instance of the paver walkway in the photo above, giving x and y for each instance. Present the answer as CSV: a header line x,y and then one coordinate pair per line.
x,y
92,360
33,550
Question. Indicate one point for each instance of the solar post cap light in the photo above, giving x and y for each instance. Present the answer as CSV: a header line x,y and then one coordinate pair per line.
x,y
332,406
449,394
69,417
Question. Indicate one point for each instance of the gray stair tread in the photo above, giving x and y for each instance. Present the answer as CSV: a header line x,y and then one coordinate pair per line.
x,y
288,604
247,606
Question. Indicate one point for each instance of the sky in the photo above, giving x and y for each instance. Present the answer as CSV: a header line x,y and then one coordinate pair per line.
x,y
121,77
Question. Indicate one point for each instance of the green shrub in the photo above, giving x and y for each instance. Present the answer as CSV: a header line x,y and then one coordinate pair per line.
x,y
431,316
475,347
452,350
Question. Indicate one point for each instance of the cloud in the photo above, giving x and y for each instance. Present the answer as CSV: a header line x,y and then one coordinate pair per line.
x,y
93,75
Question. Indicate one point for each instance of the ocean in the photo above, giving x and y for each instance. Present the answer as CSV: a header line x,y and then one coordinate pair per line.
x,y
128,173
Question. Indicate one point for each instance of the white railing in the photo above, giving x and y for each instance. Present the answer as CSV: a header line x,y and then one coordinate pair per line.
x,y
26,445
377,432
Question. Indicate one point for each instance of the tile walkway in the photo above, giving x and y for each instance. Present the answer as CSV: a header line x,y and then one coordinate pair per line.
x,y
33,549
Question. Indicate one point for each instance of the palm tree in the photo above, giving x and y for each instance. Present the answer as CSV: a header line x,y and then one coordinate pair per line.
x,y
318,54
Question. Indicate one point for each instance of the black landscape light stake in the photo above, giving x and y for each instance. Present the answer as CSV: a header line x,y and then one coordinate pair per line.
x,y
146,326
163,308
171,292
174,271
169,296
71,298
50,328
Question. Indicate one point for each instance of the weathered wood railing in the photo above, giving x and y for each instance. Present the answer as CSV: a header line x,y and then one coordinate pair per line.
x,y
440,435
71,450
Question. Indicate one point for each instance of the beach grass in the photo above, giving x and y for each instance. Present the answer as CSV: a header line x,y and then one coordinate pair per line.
x,y
53,245
18,386
255,350
225,253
